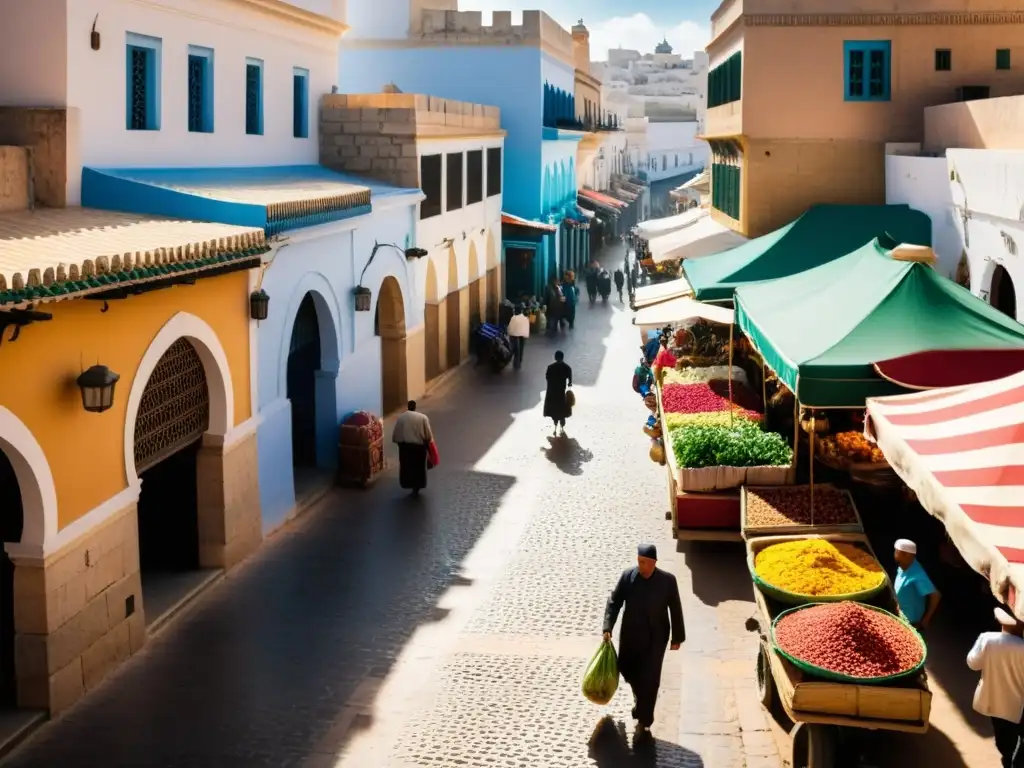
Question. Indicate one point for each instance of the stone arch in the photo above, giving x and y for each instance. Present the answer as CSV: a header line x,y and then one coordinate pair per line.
x,y
434,321
390,326
218,380
477,287
1002,293
35,481
456,314
328,315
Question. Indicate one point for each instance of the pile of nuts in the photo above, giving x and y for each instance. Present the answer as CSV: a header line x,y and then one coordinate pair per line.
x,y
791,505
850,639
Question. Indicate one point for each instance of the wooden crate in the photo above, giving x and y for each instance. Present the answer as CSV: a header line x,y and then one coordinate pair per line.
x,y
781,530
904,705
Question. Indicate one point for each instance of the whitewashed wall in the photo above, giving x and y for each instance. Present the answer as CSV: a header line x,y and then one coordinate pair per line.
x,y
96,83
474,227
923,183
989,186
328,261
669,141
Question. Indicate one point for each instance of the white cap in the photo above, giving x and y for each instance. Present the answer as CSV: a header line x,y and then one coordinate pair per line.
x,y
905,545
1005,618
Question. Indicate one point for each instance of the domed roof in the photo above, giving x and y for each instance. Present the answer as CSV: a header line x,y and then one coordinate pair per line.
x,y
663,47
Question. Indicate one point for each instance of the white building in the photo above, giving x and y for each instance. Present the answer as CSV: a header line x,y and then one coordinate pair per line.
x,y
968,176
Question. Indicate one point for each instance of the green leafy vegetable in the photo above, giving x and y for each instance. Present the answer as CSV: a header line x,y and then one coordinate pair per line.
x,y
743,444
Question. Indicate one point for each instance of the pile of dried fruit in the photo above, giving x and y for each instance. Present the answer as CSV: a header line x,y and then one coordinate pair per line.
x,y
849,639
791,505
851,446
816,567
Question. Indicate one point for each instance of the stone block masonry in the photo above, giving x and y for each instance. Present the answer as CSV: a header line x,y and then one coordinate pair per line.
x,y
375,134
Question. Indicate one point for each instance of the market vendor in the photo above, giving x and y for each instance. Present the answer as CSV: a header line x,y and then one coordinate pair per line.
x,y
643,378
999,657
917,596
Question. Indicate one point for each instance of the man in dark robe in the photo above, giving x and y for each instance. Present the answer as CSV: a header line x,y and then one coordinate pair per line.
x,y
650,596
413,435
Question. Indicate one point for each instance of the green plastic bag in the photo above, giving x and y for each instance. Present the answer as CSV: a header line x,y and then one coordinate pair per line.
x,y
601,679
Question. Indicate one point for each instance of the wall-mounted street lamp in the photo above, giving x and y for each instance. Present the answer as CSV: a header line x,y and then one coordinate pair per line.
x,y
361,294
97,385
259,304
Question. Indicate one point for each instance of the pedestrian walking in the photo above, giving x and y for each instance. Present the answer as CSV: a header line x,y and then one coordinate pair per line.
x,y
651,599
620,280
999,657
604,285
592,284
415,442
559,381
917,596
518,333
572,297
556,306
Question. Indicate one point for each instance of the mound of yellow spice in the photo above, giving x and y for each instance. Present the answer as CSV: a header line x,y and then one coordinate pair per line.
x,y
817,567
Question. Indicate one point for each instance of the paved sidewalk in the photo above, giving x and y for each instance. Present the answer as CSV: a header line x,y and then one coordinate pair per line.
x,y
379,631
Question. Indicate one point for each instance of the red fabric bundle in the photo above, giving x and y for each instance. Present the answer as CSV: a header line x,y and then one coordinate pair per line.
x,y
433,457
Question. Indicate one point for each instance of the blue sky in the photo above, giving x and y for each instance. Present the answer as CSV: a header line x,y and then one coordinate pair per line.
x,y
639,24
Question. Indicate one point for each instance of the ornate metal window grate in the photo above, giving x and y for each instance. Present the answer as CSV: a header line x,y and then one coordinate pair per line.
x,y
253,97
175,407
140,64
196,94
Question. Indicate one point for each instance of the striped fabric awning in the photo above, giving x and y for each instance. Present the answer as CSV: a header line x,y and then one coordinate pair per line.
x,y
961,450
603,199
518,221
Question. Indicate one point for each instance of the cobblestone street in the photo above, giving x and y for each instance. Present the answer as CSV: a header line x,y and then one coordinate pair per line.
x,y
380,631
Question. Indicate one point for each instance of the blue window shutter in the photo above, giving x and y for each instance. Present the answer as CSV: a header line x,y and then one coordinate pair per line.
x,y
196,93
139,87
867,70
253,99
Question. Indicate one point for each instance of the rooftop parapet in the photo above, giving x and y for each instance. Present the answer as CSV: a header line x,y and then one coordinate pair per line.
x,y
467,27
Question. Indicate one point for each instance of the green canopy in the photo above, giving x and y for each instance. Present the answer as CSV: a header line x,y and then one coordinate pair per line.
x,y
822,330
823,233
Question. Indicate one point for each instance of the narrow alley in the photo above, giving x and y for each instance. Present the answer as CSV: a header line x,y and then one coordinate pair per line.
x,y
384,631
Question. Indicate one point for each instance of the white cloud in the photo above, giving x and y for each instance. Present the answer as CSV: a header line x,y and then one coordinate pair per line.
x,y
640,33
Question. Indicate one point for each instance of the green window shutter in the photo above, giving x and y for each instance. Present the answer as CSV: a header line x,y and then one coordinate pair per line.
x,y
738,85
1003,58
733,191
712,81
739,189
714,185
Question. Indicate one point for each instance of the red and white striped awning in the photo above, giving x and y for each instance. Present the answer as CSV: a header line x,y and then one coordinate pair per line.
x,y
961,450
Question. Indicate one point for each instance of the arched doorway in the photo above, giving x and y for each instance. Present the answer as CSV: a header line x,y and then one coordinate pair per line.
x,y
493,279
389,324
432,320
173,415
303,362
1002,294
11,523
453,309
476,285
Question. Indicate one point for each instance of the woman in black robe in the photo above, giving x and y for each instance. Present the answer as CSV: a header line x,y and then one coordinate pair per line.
x,y
559,379
651,596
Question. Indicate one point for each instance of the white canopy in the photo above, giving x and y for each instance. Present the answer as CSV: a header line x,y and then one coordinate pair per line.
x,y
678,311
652,294
703,237
653,228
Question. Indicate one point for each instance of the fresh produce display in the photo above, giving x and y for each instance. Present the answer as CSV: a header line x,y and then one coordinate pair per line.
x,y
849,639
816,567
791,505
719,419
702,375
851,446
743,444
601,679
699,398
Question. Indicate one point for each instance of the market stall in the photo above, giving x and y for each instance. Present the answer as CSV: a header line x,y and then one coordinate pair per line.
x,y
652,228
822,234
961,451
680,311
698,237
646,295
834,651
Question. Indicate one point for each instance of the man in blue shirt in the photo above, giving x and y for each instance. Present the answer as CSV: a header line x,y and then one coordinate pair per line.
x,y
915,593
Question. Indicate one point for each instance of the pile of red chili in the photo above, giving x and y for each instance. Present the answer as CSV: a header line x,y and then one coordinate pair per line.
x,y
849,639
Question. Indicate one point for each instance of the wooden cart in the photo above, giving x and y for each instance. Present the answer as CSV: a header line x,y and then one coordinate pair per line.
x,y
820,709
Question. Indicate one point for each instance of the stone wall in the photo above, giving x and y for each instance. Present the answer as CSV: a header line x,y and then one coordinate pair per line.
x,y
78,615
467,27
45,132
15,179
375,134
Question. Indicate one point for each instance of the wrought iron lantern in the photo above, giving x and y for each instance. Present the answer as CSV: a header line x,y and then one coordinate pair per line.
x,y
259,305
97,385
415,253
362,296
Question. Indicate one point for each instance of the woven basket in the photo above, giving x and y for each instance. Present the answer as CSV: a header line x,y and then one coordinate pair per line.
x,y
794,598
826,674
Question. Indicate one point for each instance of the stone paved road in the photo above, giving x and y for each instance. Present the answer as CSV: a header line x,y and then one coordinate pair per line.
x,y
382,632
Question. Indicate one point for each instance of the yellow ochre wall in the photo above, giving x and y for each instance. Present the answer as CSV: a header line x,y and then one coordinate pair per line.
x,y
86,450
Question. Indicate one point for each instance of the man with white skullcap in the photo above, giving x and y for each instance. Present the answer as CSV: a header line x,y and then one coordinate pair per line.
x,y
999,656
915,593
